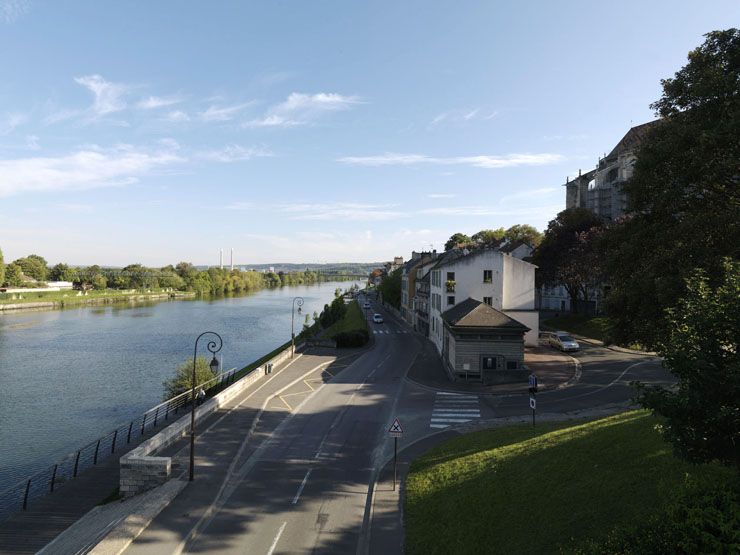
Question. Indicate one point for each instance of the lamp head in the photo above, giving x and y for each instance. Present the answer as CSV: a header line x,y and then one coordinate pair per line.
x,y
214,364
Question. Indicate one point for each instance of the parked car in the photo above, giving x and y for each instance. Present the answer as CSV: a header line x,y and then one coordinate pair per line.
x,y
561,340
366,305
377,318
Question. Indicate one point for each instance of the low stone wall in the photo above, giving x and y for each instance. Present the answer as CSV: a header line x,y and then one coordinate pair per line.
x,y
141,470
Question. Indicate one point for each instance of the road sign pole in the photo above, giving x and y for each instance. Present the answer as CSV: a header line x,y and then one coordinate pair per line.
x,y
395,460
533,410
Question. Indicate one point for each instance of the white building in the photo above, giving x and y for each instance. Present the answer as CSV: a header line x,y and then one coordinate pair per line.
x,y
490,276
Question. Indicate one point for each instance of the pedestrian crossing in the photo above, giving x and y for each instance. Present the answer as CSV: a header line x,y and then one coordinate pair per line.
x,y
454,408
379,332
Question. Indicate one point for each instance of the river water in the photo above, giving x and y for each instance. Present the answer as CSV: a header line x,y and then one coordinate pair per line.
x,y
70,376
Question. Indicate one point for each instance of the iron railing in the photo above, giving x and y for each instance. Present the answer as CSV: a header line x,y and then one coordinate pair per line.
x,y
19,496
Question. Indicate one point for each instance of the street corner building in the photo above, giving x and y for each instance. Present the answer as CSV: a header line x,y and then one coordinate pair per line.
x,y
483,344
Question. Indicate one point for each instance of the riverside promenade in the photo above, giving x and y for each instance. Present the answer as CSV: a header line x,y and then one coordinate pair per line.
x,y
48,518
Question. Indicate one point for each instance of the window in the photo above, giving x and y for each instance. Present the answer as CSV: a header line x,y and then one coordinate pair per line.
x,y
450,276
488,301
487,276
450,300
489,363
512,365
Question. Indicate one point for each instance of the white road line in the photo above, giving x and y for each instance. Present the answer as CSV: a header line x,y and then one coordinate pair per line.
x,y
453,412
447,402
300,488
277,538
439,420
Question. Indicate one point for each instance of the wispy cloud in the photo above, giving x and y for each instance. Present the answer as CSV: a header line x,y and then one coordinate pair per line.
x,y
462,116
107,96
441,195
222,113
177,116
481,161
235,153
340,211
300,109
32,142
11,121
154,102
87,168
495,210
11,10
76,208
240,205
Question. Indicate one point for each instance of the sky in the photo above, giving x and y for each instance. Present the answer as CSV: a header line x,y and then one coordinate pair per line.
x,y
323,131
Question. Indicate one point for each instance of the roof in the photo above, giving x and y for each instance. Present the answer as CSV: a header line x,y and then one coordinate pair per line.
x,y
632,138
510,247
475,314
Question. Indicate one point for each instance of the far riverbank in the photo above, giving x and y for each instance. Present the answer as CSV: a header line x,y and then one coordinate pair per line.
x,y
52,300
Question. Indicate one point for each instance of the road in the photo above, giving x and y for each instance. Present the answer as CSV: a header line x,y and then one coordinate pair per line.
x,y
304,488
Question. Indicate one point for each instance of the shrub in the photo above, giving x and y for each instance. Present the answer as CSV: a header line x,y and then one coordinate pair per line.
x,y
355,338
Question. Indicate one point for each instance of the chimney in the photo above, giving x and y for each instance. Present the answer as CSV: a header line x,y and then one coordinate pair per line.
x,y
221,258
232,259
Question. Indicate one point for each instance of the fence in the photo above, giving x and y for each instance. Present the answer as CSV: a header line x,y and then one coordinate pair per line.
x,y
20,496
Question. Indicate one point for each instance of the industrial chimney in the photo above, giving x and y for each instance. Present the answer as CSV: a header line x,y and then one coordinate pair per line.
x,y
221,258
232,259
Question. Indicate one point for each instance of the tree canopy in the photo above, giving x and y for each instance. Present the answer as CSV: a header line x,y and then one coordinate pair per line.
x,y
488,237
33,266
684,195
390,288
701,350
456,240
525,233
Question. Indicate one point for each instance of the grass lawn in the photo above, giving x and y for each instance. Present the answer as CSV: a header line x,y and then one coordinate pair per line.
x,y
596,327
510,490
353,320
68,297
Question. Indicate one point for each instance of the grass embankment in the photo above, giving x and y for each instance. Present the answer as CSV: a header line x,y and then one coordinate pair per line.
x,y
596,327
260,361
510,490
71,298
352,321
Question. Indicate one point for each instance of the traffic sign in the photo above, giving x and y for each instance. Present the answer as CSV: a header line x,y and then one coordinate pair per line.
x,y
395,430
532,383
532,402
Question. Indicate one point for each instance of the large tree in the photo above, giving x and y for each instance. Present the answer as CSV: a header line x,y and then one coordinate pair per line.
x,y
702,419
684,196
457,240
62,272
13,275
34,267
390,288
568,253
525,233
488,237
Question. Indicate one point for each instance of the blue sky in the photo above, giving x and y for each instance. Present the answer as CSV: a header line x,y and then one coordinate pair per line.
x,y
300,131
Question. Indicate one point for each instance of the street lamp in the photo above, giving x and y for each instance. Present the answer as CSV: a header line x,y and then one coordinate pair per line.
x,y
299,302
213,347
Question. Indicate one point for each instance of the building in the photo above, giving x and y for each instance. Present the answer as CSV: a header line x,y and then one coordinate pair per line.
x,y
602,190
489,276
482,343
408,282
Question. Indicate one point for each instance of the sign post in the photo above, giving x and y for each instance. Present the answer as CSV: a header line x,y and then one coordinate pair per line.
x,y
395,431
532,396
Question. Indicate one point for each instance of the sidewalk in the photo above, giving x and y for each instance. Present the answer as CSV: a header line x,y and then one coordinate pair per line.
x,y
553,369
29,531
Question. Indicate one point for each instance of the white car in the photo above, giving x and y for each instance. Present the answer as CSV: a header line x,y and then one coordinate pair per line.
x,y
366,305
561,340
377,318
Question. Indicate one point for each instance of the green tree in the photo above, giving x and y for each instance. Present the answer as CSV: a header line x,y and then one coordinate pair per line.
x,y
2,268
488,237
13,275
183,379
34,267
457,240
568,253
390,288
684,195
525,233
62,272
701,350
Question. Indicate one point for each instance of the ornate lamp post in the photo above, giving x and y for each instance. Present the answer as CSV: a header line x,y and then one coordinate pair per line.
x,y
213,347
299,302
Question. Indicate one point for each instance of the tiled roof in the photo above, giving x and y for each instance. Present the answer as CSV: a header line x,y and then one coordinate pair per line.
x,y
475,314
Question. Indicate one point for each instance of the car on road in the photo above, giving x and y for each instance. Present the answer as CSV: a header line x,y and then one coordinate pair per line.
x,y
366,305
378,318
563,341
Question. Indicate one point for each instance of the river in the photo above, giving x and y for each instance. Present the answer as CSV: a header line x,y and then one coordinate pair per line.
x,y
69,376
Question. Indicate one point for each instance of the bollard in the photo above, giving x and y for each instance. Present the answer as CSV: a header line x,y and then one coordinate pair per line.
x,y
53,477
128,439
113,445
25,497
77,462
95,458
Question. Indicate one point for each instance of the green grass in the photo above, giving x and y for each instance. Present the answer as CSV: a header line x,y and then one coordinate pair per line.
x,y
596,327
68,298
353,320
510,490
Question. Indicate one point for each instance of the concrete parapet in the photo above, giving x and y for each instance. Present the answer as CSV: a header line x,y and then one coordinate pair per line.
x,y
141,470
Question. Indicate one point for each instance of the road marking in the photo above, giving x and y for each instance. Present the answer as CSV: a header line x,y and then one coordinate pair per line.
x,y
277,538
300,488
453,408
285,402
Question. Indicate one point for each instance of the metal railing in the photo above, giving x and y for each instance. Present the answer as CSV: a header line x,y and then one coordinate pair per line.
x,y
19,496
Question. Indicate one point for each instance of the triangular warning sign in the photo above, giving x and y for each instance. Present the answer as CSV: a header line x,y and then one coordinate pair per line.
x,y
396,427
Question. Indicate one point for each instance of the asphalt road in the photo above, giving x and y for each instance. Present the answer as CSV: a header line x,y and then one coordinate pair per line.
x,y
305,487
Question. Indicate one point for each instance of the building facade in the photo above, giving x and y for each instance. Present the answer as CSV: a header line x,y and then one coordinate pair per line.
x,y
408,282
